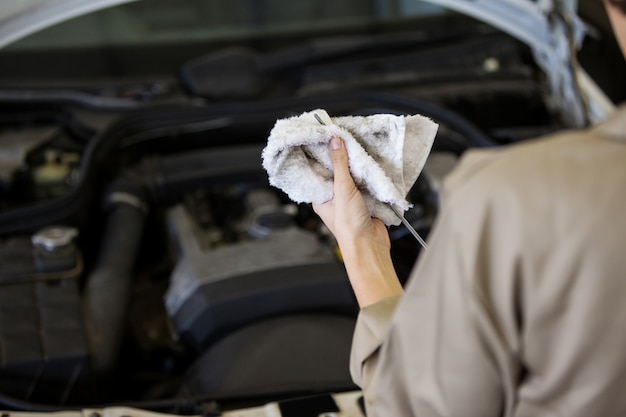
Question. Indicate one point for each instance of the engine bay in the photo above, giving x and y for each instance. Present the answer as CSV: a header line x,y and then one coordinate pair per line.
x,y
144,258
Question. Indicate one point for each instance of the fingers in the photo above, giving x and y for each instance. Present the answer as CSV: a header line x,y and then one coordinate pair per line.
x,y
343,185
339,155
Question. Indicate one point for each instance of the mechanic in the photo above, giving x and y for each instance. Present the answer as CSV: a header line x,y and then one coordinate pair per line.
x,y
518,306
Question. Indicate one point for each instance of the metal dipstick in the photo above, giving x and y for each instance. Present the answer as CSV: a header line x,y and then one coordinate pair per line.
x,y
319,119
408,225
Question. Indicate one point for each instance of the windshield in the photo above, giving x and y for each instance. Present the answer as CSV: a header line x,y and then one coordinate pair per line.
x,y
155,37
164,21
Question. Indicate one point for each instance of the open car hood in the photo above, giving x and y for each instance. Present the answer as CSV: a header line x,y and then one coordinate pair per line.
x,y
551,28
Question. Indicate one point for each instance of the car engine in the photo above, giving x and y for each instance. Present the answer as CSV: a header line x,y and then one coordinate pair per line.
x,y
144,258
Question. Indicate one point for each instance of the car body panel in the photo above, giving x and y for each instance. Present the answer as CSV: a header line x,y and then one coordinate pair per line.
x,y
19,19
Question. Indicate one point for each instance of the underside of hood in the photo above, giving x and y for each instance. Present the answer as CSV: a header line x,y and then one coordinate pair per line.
x,y
551,28
554,32
20,18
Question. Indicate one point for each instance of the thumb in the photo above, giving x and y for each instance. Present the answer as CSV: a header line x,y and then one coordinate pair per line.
x,y
339,156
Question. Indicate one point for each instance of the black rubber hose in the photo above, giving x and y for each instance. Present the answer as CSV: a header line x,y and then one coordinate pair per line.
x,y
167,177
58,210
66,96
108,287
61,117
30,218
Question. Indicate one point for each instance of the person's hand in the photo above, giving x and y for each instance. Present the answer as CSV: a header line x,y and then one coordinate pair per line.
x,y
363,240
346,215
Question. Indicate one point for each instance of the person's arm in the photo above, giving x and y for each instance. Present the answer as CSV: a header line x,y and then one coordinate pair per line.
x,y
363,240
437,350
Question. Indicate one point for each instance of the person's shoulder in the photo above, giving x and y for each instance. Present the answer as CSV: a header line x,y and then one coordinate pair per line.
x,y
536,176
554,156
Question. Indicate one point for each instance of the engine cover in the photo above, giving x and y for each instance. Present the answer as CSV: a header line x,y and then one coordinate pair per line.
x,y
213,291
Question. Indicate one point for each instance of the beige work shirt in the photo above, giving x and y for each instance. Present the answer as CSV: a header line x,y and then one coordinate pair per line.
x,y
518,307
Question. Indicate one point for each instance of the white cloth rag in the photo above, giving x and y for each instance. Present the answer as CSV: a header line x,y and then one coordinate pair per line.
x,y
386,154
